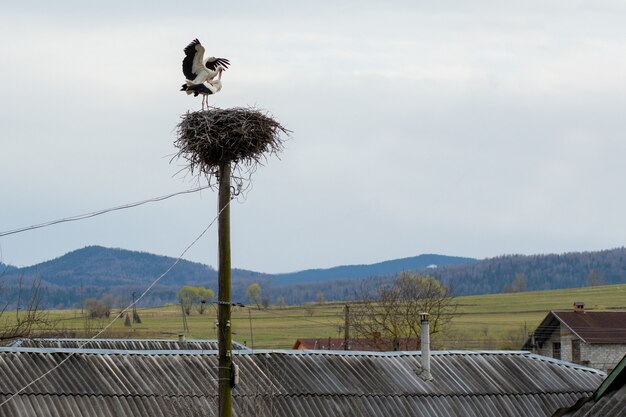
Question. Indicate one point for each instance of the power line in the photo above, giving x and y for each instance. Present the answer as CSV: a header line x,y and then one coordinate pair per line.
x,y
98,212
117,316
301,318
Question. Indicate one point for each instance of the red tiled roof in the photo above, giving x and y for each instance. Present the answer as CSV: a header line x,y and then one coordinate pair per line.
x,y
381,345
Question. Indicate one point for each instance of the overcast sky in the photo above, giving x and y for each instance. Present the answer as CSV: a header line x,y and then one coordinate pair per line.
x,y
461,128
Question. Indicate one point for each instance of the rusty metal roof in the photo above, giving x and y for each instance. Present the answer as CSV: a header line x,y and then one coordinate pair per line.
x,y
98,382
121,344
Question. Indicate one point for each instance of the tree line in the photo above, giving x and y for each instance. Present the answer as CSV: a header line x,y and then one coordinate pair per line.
x,y
535,272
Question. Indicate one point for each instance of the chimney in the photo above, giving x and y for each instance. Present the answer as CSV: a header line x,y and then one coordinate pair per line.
x,y
182,338
579,307
425,343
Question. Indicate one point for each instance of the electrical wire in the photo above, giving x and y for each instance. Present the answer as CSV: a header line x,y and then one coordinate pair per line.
x,y
99,212
154,282
300,318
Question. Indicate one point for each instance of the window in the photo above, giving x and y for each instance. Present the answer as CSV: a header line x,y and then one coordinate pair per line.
x,y
576,351
556,350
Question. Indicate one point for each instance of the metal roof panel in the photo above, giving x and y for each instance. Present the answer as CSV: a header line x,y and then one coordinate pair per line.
x,y
285,383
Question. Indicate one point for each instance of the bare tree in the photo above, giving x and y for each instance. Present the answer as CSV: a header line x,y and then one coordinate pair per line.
x,y
29,317
320,298
108,301
97,309
595,278
281,301
309,308
392,312
518,284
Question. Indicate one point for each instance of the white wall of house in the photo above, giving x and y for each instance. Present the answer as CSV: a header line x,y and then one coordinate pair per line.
x,y
601,356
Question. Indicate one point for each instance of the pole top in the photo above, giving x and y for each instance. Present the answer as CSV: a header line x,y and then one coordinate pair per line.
x,y
424,316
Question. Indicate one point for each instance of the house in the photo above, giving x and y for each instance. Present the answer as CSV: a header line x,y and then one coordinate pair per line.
x,y
609,400
67,382
357,344
594,338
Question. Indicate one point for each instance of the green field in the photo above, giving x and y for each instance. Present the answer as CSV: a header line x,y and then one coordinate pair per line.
x,y
498,321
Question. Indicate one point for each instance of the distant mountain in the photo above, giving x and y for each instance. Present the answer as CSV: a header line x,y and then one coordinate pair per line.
x,y
363,271
95,271
99,266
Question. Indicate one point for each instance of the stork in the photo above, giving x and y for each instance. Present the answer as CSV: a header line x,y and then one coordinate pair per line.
x,y
200,72
204,89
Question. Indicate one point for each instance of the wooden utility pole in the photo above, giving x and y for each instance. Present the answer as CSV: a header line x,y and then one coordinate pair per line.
x,y
214,143
346,328
224,337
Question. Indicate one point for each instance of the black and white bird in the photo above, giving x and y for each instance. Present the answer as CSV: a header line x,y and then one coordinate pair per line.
x,y
200,73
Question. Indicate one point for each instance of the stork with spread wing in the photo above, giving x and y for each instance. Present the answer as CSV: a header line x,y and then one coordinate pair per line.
x,y
200,73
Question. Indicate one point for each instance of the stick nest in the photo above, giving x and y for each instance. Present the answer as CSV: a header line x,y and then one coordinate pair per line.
x,y
244,137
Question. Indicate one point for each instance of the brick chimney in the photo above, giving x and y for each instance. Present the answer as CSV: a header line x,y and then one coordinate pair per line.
x,y
579,307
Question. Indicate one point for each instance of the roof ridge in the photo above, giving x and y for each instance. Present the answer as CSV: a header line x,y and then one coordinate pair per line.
x,y
418,395
323,352
295,395
124,395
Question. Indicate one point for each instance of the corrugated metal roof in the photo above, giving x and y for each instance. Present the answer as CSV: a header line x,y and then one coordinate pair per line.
x,y
611,405
289,383
123,344
609,400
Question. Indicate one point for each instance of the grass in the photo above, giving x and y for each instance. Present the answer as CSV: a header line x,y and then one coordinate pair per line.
x,y
497,321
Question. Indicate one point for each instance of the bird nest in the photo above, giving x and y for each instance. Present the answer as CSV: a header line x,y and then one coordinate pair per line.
x,y
239,136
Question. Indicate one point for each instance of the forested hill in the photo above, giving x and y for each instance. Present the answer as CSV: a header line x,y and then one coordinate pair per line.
x,y
493,275
95,271
362,271
537,272
99,266
4,268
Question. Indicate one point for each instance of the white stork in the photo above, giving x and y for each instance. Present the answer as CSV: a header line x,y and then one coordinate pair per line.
x,y
200,72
